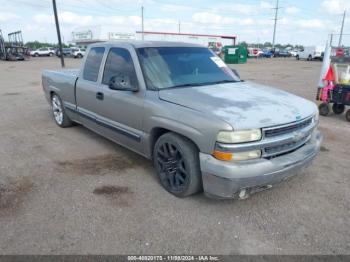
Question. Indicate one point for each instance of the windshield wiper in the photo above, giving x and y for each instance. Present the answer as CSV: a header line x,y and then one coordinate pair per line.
x,y
186,85
222,82
201,84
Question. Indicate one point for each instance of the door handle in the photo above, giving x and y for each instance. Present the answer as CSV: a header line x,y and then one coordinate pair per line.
x,y
99,95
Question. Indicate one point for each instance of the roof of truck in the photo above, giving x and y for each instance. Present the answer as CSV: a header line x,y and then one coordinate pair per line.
x,y
141,44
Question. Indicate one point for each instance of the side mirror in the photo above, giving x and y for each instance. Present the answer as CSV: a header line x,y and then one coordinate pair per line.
x,y
122,83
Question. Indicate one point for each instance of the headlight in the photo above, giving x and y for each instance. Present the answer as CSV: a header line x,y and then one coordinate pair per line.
x,y
240,136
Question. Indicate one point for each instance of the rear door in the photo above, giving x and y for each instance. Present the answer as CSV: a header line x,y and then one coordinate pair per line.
x,y
88,89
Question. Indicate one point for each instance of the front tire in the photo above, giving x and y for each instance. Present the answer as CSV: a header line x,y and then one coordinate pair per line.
x,y
176,160
59,114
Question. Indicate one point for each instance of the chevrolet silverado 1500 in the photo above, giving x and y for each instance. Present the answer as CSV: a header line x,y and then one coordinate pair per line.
x,y
181,106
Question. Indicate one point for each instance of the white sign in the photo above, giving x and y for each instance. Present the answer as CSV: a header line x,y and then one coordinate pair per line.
x,y
84,35
121,36
231,51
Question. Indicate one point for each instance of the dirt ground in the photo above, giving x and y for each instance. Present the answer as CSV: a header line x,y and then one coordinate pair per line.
x,y
70,191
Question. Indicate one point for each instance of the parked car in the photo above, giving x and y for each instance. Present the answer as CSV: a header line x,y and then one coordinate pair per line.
x,y
65,51
78,52
181,106
282,53
293,53
254,52
267,53
45,51
311,53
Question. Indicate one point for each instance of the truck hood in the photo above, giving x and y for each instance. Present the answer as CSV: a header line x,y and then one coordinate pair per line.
x,y
243,105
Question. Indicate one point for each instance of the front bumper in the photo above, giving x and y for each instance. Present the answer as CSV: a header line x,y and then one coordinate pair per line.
x,y
226,179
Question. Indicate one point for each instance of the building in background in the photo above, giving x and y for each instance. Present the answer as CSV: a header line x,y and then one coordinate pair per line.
x,y
88,35
202,39
94,34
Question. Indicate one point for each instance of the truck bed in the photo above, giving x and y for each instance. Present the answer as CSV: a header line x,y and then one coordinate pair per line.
x,y
62,82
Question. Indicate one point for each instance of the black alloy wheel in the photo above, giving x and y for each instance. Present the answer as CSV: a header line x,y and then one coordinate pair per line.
x,y
177,163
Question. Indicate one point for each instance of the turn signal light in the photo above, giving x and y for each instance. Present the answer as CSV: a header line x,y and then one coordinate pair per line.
x,y
225,156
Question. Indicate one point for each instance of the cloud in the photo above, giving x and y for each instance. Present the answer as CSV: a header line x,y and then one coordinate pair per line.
x,y
292,10
266,5
335,6
219,20
244,9
43,18
6,17
176,8
310,23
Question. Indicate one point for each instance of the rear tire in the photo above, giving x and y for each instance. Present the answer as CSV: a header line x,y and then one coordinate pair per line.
x,y
338,108
176,160
324,109
59,114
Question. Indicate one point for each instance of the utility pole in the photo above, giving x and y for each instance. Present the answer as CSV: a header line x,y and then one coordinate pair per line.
x,y
58,32
274,29
179,27
142,23
341,30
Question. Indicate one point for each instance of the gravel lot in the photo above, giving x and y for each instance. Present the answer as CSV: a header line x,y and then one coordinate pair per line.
x,y
70,191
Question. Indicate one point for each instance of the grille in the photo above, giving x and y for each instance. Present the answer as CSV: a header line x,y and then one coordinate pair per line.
x,y
287,129
287,147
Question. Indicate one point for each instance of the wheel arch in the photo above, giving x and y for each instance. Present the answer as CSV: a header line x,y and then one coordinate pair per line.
x,y
158,131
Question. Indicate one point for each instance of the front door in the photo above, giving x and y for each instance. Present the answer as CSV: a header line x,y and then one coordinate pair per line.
x,y
120,112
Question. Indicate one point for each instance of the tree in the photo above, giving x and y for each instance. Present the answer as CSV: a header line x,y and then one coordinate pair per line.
x,y
37,44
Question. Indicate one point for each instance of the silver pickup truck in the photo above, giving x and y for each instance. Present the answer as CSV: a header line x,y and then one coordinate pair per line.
x,y
181,106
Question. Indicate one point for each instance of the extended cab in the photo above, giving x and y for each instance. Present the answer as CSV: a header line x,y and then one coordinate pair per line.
x,y
181,106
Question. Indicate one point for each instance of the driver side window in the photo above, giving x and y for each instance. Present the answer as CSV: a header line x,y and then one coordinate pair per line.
x,y
119,63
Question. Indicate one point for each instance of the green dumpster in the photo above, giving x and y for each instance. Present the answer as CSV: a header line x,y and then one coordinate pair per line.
x,y
235,54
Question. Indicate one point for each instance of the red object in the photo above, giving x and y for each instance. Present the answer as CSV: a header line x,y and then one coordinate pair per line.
x,y
340,52
330,74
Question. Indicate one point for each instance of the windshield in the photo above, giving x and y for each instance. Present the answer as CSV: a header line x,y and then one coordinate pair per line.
x,y
170,67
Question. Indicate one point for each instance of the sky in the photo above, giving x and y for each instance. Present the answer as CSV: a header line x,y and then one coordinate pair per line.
x,y
306,22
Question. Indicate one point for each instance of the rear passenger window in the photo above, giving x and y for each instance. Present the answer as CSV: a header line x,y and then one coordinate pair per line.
x,y
92,63
119,62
